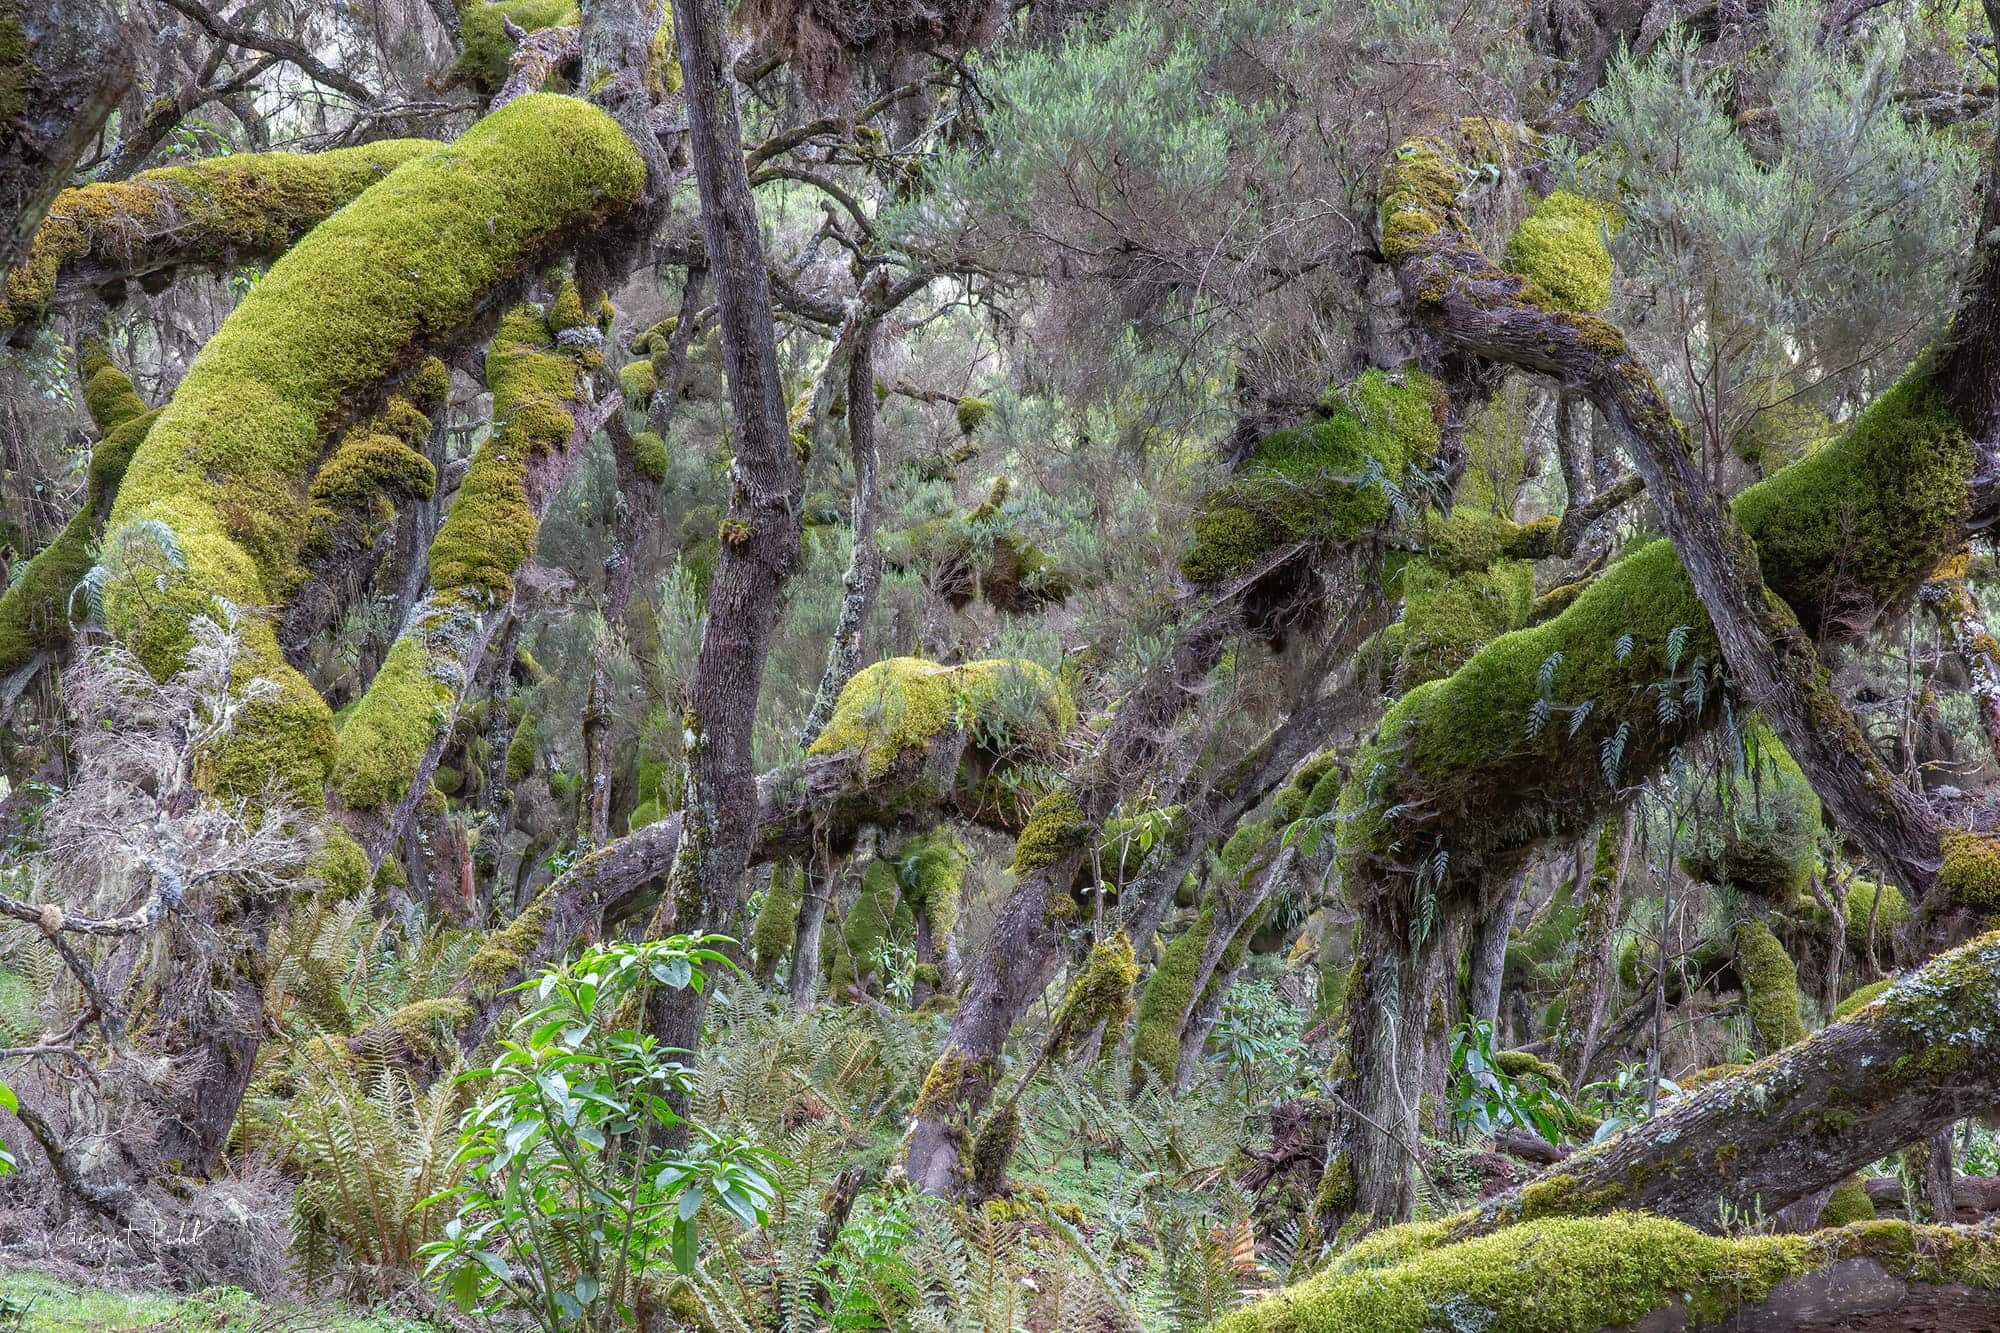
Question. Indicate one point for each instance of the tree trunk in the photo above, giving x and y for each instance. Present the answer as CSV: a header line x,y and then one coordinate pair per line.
x,y
1923,1056
816,897
760,536
1596,940
1489,955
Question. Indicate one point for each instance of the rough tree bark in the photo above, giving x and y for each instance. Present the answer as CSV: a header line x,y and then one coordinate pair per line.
x,y
1924,1054
1596,934
760,538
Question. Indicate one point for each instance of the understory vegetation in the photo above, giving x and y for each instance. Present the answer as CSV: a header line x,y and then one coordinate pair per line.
x,y
1076,666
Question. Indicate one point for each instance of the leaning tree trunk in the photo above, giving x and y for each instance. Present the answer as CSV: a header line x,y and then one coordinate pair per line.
x,y
1923,1055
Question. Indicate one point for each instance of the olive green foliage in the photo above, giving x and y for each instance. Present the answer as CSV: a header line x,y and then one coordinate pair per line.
x,y
1560,247
1497,752
979,555
1770,987
902,704
226,466
1758,830
219,210
1561,1275
1329,480
1099,994
1156,1040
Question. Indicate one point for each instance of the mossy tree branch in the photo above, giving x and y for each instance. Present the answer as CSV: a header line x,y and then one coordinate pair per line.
x,y
221,211
1923,1054
1472,305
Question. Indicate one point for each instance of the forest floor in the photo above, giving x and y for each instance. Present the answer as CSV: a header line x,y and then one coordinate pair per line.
x,y
38,1301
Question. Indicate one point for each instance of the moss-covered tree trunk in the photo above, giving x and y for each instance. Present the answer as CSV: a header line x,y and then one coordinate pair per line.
x,y
1921,1056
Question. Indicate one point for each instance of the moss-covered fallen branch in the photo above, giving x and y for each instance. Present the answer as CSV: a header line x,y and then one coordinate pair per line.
x,y
1629,1270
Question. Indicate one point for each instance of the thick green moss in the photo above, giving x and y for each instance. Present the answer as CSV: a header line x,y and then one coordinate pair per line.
x,y
222,209
1055,830
1156,1037
1860,999
353,495
384,738
1579,1275
777,920
521,749
1970,875
1770,987
506,951
971,413
1862,521
1560,247
865,931
226,466
484,58
1326,481
649,455
1759,833
1849,1202
1100,993
932,871
901,703
1447,617
1528,1065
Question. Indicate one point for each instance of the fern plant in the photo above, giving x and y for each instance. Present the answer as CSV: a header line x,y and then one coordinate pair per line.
x,y
372,1152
